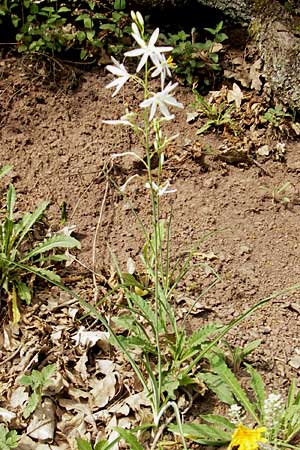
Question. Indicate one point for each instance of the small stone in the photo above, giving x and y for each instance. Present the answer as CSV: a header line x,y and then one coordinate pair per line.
x,y
295,362
244,249
263,151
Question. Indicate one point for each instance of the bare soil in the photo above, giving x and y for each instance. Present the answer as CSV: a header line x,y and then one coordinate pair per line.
x,y
53,135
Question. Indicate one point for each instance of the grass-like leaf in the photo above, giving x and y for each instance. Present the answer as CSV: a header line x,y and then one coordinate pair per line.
x,y
27,222
5,170
10,201
258,386
129,438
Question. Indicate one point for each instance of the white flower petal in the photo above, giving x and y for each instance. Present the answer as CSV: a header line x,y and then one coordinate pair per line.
x,y
142,62
153,37
135,52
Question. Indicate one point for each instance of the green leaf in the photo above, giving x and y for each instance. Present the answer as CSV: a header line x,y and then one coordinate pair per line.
x,y
108,26
10,201
48,274
58,241
63,9
88,23
119,5
220,368
105,445
82,444
205,127
216,384
8,439
129,438
32,404
203,434
90,35
5,170
218,420
28,220
47,372
23,291
81,36
200,337
258,386
250,347
26,380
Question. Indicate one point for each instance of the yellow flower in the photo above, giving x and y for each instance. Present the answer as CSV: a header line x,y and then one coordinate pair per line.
x,y
246,439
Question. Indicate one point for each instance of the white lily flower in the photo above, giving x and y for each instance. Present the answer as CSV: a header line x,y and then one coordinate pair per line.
x,y
147,50
162,69
162,99
120,71
161,190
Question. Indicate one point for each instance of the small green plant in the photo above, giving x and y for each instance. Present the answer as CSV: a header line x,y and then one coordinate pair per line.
x,y
193,59
37,381
218,115
54,27
280,193
126,435
8,439
269,419
275,116
238,354
18,254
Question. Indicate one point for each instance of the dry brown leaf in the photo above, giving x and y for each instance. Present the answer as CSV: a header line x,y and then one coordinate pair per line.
x,y
105,366
6,416
102,390
255,74
81,367
42,424
90,338
19,397
235,95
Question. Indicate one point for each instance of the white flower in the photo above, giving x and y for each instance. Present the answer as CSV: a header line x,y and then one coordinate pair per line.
x,y
147,50
236,413
162,99
273,408
161,190
162,69
120,71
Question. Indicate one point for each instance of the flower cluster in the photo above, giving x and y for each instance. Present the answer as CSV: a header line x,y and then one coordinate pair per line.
x,y
273,408
161,67
236,414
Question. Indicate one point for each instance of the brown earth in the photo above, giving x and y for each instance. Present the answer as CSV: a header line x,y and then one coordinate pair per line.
x,y
61,151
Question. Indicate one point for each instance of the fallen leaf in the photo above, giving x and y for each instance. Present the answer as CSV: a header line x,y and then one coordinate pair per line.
x,y
255,74
191,116
90,338
6,415
42,424
103,390
19,397
235,95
